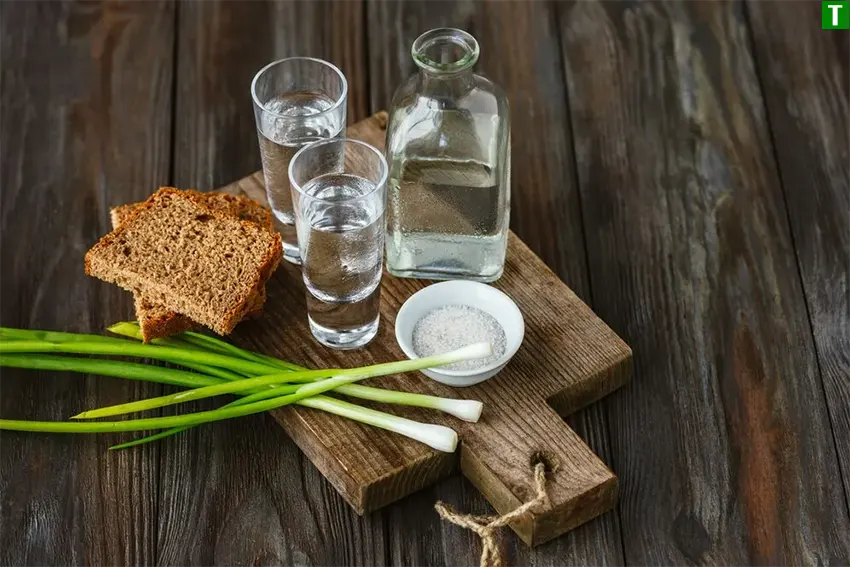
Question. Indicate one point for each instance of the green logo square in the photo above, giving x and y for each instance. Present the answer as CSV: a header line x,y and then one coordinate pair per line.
x,y
835,14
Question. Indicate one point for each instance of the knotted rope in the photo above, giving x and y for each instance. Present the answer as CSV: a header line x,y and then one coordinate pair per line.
x,y
486,526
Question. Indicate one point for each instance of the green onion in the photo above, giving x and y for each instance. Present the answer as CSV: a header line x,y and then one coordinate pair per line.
x,y
435,436
147,424
227,348
467,410
182,378
335,377
128,348
10,334
197,340
215,371
127,370
130,370
220,368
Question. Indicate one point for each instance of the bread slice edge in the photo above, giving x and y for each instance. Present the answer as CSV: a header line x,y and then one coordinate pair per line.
x,y
160,293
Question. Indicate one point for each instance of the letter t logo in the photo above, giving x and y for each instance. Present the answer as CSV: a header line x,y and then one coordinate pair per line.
x,y
835,15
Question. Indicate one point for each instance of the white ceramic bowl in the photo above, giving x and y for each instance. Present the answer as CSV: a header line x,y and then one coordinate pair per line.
x,y
457,292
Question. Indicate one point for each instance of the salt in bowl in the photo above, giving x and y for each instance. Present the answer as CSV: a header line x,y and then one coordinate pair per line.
x,y
458,292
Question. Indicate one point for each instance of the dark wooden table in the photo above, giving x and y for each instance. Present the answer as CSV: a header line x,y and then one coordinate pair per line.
x,y
682,165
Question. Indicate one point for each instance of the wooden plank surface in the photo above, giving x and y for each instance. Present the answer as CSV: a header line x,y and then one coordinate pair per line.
x,y
723,442
805,79
720,463
86,120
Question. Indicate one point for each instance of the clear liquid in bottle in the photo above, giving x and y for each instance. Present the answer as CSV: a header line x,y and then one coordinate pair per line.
x,y
449,181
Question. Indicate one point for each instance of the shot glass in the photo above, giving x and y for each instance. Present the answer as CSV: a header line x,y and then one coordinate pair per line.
x,y
339,195
296,101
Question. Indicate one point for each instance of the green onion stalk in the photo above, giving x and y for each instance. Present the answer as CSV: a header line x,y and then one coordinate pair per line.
x,y
467,410
332,378
280,383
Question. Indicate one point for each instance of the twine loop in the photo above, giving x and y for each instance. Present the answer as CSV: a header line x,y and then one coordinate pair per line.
x,y
485,526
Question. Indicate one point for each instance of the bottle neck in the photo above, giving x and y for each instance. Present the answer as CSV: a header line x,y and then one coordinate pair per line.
x,y
445,57
447,84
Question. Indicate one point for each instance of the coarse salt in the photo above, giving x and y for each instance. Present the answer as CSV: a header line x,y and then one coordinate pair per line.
x,y
454,326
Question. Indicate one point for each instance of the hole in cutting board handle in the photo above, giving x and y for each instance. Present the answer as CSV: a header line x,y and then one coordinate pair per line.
x,y
549,460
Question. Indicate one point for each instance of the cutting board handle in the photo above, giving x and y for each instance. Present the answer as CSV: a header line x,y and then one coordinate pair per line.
x,y
500,458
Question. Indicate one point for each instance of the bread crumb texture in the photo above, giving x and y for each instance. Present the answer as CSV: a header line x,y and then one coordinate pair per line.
x,y
182,254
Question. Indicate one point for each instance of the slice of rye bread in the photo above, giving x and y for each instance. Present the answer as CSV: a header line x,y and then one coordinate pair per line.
x,y
157,321
242,208
180,253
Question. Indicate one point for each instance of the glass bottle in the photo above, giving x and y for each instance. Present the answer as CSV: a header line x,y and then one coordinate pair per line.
x,y
448,147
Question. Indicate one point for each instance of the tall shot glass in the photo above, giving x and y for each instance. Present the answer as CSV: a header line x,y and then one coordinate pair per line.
x,y
339,194
296,101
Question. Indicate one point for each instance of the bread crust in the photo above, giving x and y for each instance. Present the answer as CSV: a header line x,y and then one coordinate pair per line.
x,y
241,207
172,323
167,323
223,324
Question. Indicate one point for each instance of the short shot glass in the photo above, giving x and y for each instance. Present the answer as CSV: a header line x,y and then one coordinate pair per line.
x,y
339,197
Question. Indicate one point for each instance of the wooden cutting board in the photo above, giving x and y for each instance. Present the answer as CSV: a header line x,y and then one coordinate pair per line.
x,y
569,359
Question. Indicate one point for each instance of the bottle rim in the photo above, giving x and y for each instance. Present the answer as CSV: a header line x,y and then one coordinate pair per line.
x,y
464,40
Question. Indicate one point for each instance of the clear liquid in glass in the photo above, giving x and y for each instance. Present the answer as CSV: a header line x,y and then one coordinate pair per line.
x,y
342,249
280,138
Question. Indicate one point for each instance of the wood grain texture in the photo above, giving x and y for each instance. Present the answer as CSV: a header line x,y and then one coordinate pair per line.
x,y
569,357
723,441
805,78
241,492
86,119
520,50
